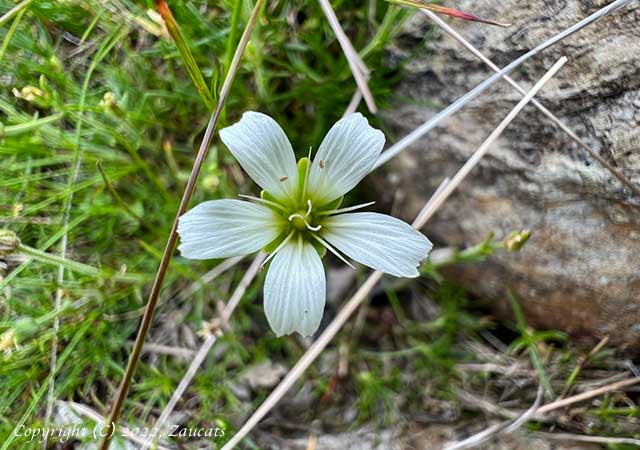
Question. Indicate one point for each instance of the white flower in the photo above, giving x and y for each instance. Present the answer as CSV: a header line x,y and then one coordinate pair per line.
x,y
297,217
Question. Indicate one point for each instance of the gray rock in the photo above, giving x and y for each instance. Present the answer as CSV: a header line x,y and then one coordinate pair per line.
x,y
580,272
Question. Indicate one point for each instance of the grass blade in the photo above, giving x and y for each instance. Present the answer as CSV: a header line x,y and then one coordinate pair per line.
x,y
187,57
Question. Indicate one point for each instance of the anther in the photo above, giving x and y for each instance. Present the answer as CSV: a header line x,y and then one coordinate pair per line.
x,y
322,163
284,178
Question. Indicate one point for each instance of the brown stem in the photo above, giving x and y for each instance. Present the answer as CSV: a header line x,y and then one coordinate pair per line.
x,y
173,236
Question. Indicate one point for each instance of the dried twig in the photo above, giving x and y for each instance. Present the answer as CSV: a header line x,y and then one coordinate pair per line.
x,y
358,68
587,395
334,327
484,148
149,347
585,438
529,413
209,277
478,438
416,134
353,104
173,235
606,164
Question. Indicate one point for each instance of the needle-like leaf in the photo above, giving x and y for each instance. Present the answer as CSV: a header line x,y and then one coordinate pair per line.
x,y
448,11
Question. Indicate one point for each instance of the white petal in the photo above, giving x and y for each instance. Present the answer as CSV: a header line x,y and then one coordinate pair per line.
x,y
223,228
348,153
378,241
264,152
294,290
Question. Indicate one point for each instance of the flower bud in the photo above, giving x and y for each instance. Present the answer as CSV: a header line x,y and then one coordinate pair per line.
x,y
23,329
516,240
9,242
108,100
8,341
28,93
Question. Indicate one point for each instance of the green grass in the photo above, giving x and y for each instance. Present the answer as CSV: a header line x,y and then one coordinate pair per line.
x,y
101,85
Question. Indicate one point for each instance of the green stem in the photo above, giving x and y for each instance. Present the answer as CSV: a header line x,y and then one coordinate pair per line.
x,y
9,35
74,266
12,12
116,195
14,130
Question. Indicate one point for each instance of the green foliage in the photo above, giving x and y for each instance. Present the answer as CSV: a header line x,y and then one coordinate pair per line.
x,y
529,340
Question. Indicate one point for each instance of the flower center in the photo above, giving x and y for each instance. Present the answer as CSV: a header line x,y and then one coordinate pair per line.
x,y
301,219
298,220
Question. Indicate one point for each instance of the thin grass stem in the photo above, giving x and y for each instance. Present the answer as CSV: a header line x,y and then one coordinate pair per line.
x,y
10,32
13,11
187,57
104,49
75,266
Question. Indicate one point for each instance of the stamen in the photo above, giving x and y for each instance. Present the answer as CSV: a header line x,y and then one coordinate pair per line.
x,y
278,248
284,178
262,200
322,178
304,219
309,208
332,250
342,210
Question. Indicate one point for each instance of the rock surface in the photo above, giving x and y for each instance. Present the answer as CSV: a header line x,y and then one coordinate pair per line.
x,y
580,271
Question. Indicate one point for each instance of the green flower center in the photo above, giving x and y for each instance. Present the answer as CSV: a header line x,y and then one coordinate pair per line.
x,y
301,218
299,221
